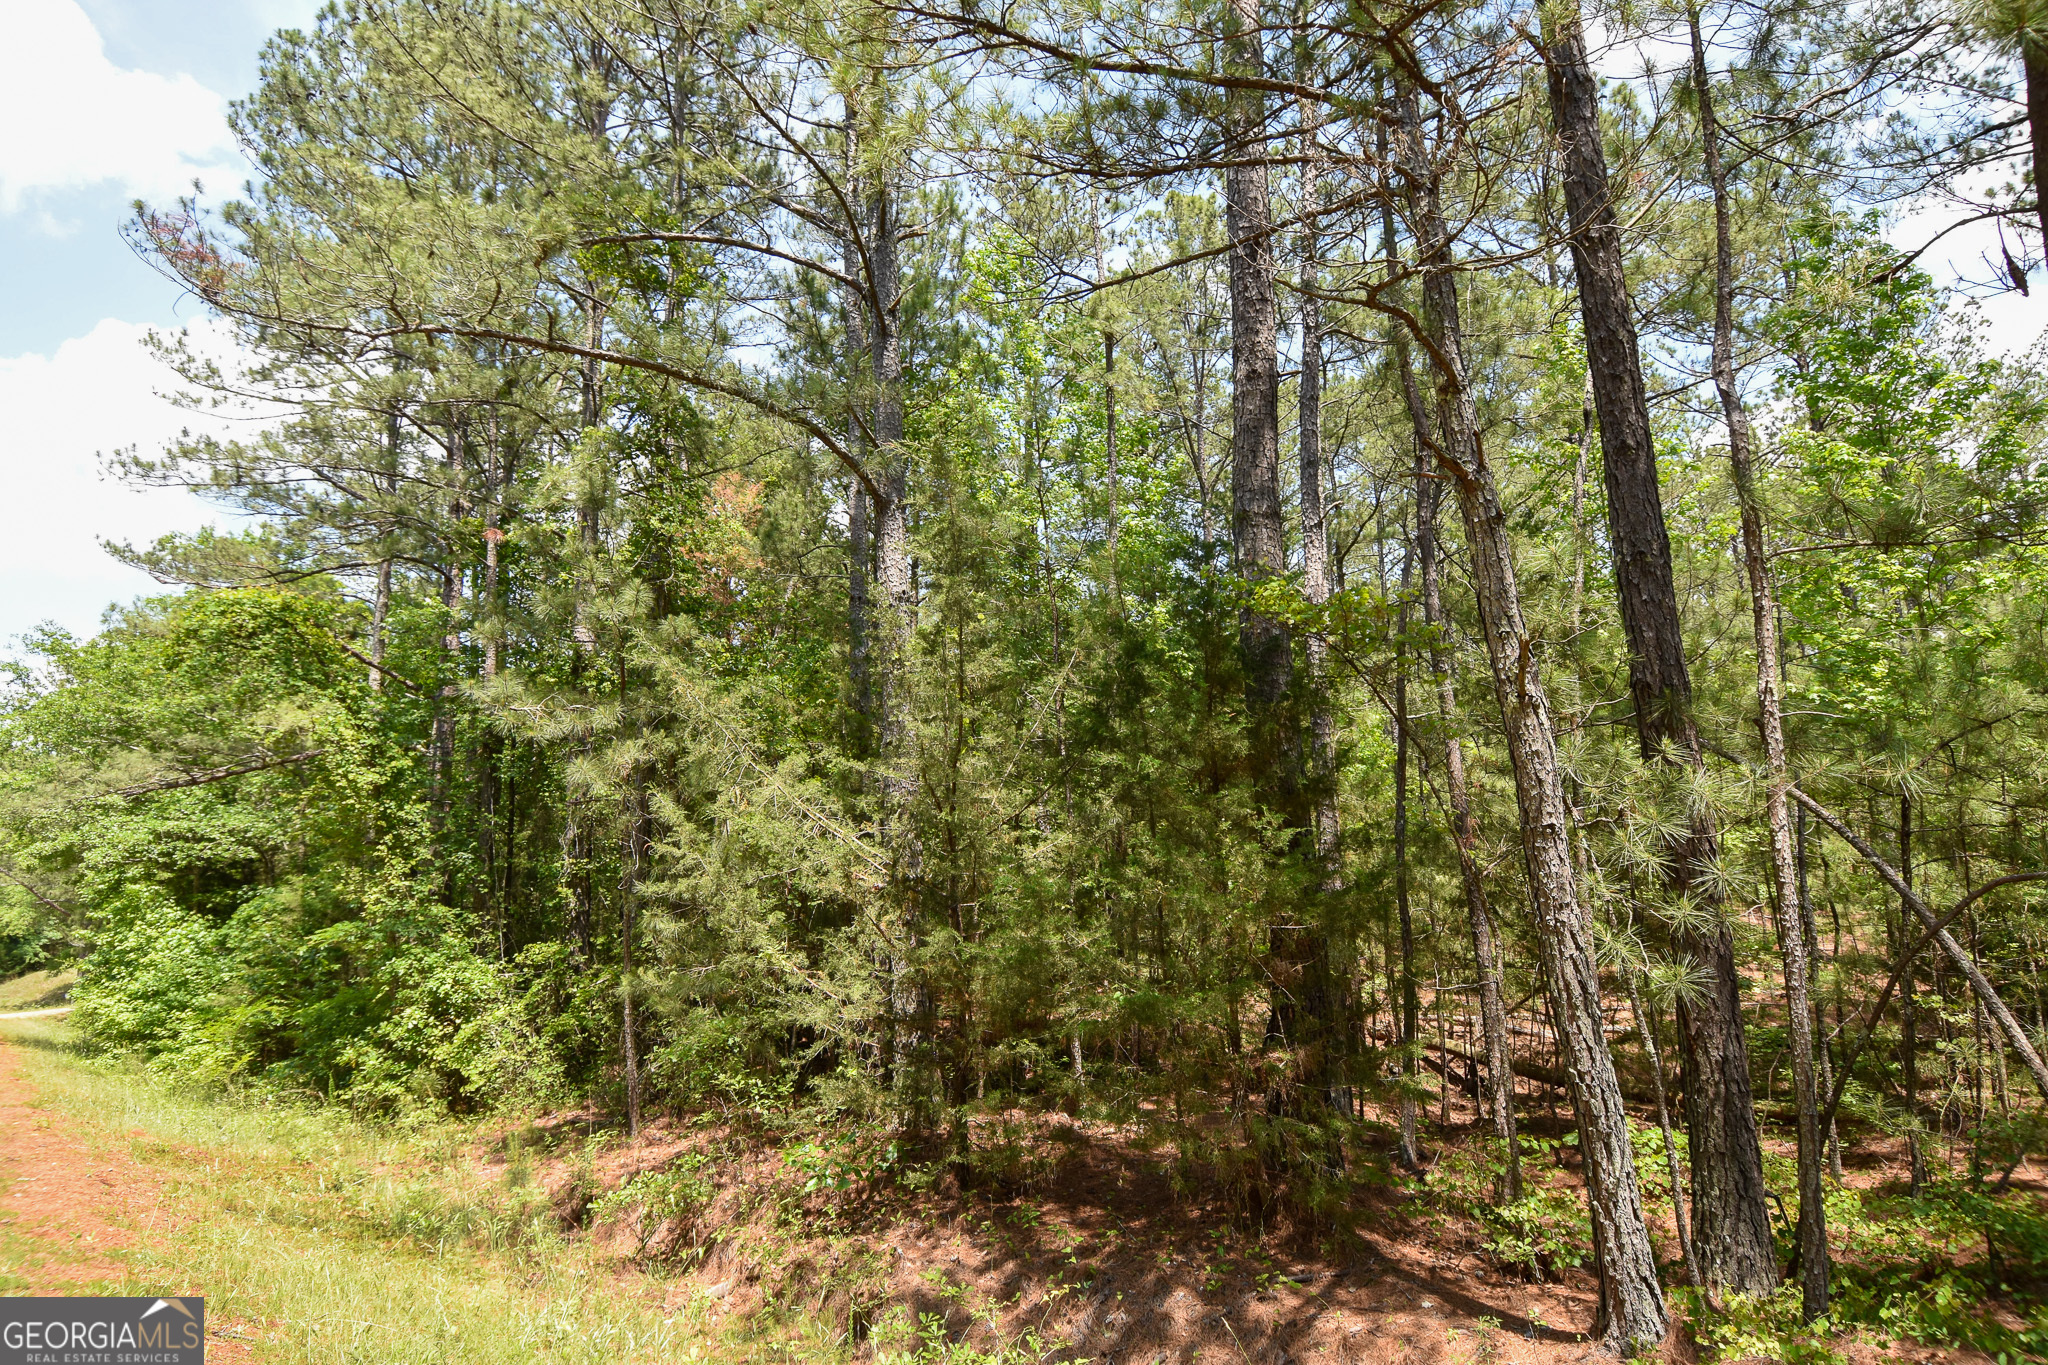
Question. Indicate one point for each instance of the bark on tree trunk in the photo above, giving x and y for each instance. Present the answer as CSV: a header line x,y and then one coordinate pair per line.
x,y
380,615
859,551
2034,59
1643,1026
1632,1303
1109,450
492,747
579,846
892,549
1411,1003
632,858
1813,1237
1464,831
1441,319
495,479
380,602
1732,1224
1297,952
451,637
1909,1011
1315,532
1631,1312
898,626
1316,586
1812,931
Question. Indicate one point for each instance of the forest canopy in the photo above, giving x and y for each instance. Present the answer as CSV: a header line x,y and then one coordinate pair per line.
x,y
896,562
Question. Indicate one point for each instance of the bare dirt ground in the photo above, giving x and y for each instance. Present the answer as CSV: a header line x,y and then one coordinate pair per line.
x,y
1101,1255
72,1202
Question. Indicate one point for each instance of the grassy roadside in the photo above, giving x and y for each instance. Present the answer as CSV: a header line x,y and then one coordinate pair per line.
x,y
335,1241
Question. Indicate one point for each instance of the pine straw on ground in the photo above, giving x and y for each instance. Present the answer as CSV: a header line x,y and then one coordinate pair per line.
x,y
1093,1252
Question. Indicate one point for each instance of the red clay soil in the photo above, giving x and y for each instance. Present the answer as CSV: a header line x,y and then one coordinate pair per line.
x,y
71,1204
1098,1253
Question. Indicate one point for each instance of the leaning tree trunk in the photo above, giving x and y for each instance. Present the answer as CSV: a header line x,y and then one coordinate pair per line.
x,y
1656,1059
1731,1230
1631,1312
2008,1023
1632,1302
1813,1233
1297,953
1909,1012
1464,830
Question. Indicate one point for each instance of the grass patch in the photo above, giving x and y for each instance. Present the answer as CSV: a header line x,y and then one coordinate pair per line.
x,y
342,1242
37,990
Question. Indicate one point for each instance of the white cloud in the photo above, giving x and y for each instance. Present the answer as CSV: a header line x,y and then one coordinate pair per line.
x,y
98,392
69,118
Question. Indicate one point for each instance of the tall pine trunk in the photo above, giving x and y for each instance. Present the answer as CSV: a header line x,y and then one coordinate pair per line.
x,y
1631,1312
1297,952
1731,1223
1499,1094
859,532
579,844
450,691
632,870
894,573
1316,586
2034,67
1631,1302
380,600
1442,321
1315,531
1792,937
1411,1001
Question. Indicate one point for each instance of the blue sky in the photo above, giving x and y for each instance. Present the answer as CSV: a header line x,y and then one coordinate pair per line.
x,y
101,102
66,265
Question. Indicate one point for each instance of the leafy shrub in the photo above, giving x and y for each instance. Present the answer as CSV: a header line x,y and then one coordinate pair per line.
x,y
1540,1233
672,1197
724,1060
851,1161
156,973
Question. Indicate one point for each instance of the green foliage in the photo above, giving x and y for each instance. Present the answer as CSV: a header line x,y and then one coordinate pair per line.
x,y
670,1198
733,617
1923,1268
1761,1326
846,1164
1538,1235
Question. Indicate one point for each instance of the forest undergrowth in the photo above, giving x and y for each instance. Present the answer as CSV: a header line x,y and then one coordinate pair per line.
x,y
722,1236
1261,667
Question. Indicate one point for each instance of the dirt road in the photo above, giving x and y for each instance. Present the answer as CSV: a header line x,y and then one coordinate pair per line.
x,y
72,1201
